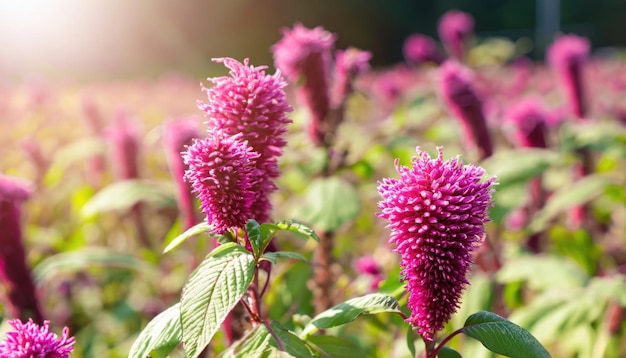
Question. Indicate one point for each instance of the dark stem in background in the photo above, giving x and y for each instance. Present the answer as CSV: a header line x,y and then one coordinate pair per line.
x,y
322,272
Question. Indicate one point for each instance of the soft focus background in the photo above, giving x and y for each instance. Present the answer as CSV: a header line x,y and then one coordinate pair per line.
x,y
87,89
117,38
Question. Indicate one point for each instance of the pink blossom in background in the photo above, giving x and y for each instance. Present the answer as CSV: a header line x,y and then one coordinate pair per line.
x,y
458,94
567,57
529,120
222,170
304,56
419,49
349,64
177,135
15,274
254,104
123,137
437,211
367,265
29,340
454,28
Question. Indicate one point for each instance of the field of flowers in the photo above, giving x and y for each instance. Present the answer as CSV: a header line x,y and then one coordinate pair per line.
x,y
513,203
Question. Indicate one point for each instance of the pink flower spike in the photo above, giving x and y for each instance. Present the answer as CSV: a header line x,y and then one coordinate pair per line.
x,y
567,56
457,92
454,28
15,274
437,211
305,55
419,49
222,170
254,104
29,340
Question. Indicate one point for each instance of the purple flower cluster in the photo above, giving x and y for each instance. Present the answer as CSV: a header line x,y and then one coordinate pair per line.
x,y
29,340
437,211
232,170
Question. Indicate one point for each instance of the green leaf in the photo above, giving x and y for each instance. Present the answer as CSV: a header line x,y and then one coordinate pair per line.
x,y
517,166
350,310
191,232
81,260
261,235
163,334
447,352
575,194
330,203
410,340
502,336
125,194
272,256
563,272
253,344
292,343
298,228
336,347
211,292
256,237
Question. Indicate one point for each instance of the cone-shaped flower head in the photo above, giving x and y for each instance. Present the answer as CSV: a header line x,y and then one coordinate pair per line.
x,y
529,119
457,92
253,104
454,28
222,170
567,56
29,340
304,56
437,212
14,271
420,49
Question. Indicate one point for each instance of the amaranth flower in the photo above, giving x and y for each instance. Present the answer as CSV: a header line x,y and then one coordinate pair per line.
x,y
454,29
29,340
458,93
254,104
437,211
304,56
15,274
567,56
221,170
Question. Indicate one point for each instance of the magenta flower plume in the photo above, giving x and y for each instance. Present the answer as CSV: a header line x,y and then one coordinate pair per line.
x,y
15,274
530,121
304,55
454,28
177,135
419,49
29,340
567,56
221,170
253,104
437,211
457,92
